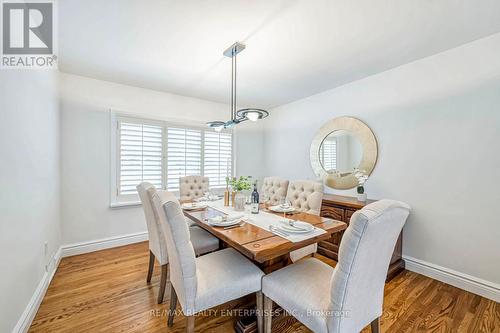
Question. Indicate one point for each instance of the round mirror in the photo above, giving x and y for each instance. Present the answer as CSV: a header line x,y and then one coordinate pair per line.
x,y
342,145
340,152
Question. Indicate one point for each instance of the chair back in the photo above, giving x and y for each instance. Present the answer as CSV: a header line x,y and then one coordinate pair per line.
x,y
192,187
274,188
180,249
357,285
157,243
306,196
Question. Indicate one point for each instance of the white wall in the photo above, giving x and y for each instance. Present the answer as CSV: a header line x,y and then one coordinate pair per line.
x,y
29,186
437,122
85,150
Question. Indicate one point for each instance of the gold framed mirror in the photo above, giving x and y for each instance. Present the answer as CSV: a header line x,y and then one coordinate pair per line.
x,y
340,146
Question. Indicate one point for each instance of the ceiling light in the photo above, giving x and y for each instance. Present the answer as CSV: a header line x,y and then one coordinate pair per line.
x,y
237,117
252,114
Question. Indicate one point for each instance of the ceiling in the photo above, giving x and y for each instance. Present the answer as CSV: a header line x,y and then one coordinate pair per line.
x,y
295,48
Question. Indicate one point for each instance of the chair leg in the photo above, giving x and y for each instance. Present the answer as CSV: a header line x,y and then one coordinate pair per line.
x,y
268,315
376,325
163,282
190,324
151,266
173,306
260,312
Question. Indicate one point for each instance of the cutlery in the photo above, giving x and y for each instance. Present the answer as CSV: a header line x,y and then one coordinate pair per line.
x,y
232,226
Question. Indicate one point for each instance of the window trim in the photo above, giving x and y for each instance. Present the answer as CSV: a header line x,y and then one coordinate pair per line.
x,y
132,200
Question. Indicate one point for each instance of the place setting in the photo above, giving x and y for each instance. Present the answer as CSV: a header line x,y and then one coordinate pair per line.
x,y
227,221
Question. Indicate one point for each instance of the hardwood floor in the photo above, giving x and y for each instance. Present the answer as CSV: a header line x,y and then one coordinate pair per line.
x,y
106,291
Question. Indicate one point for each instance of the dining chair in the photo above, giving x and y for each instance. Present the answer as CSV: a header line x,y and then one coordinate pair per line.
x,y
192,187
274,188
355,286
202,240
305,196
200,283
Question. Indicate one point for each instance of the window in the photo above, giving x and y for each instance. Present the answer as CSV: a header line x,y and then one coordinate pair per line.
x,y
183,155
217,158
159,153
140,156
328,154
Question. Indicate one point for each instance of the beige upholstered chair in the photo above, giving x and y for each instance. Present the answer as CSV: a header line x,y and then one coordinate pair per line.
x,y
192,187
202,240
306,196
355,285
274,188
203,282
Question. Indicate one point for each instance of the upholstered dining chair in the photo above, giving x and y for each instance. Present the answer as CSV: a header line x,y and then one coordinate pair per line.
x,y
200,283
274,188
192,187
355,286
203,242
305,196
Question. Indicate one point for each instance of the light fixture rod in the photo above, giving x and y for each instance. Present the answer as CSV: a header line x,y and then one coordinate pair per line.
x,y
234,98
237,116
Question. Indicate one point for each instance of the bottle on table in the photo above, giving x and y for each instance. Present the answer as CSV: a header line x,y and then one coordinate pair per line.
x,y
255,200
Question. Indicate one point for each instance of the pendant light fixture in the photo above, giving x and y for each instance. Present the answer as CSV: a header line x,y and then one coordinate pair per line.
x,y
237,116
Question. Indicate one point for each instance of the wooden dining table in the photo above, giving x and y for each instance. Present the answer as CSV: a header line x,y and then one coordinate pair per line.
x,y
263,247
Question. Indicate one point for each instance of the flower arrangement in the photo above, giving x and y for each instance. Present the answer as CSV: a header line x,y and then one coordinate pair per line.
x,y
362,177
240,184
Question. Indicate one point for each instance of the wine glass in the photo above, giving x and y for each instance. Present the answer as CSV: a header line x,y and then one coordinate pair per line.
x,y
265,199
284,205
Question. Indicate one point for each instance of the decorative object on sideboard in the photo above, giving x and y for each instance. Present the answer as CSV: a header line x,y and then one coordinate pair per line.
x,y
340,146
362,178
237,116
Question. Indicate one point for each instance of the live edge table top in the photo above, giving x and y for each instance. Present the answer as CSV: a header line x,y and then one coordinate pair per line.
x,y
258,244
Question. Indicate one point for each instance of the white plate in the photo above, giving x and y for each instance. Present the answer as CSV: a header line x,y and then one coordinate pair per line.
x,y
280,209
297,228
216,223
192,206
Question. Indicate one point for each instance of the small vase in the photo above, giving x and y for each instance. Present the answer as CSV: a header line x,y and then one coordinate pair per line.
x,y
239,202
362,197
233,196
226,198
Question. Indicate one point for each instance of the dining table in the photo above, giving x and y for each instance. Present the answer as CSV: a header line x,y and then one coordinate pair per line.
x,y
268,249
262,246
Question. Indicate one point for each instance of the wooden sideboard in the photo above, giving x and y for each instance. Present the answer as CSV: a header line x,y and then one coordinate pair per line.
x,y
341,208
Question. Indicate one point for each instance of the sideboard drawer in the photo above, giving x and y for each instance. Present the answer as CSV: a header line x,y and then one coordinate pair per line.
x,y
335,213
348,214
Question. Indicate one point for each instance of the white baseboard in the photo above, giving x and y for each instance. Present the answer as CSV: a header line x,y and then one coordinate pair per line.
x,y
460,280
102,244
29,313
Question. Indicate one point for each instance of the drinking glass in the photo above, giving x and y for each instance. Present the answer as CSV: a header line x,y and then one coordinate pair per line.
x,y
265,199
284,203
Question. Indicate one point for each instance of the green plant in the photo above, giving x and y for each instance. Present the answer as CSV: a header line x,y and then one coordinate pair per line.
x,y
241,184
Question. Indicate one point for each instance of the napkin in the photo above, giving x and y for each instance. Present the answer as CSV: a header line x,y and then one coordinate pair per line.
x,y
229,219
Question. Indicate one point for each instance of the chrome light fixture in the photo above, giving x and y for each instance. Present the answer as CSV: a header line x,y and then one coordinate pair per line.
x,y
237,116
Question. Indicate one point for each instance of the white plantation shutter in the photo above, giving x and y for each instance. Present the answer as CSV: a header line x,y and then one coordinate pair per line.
x,y
217,159
183,154
140,156
329,154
